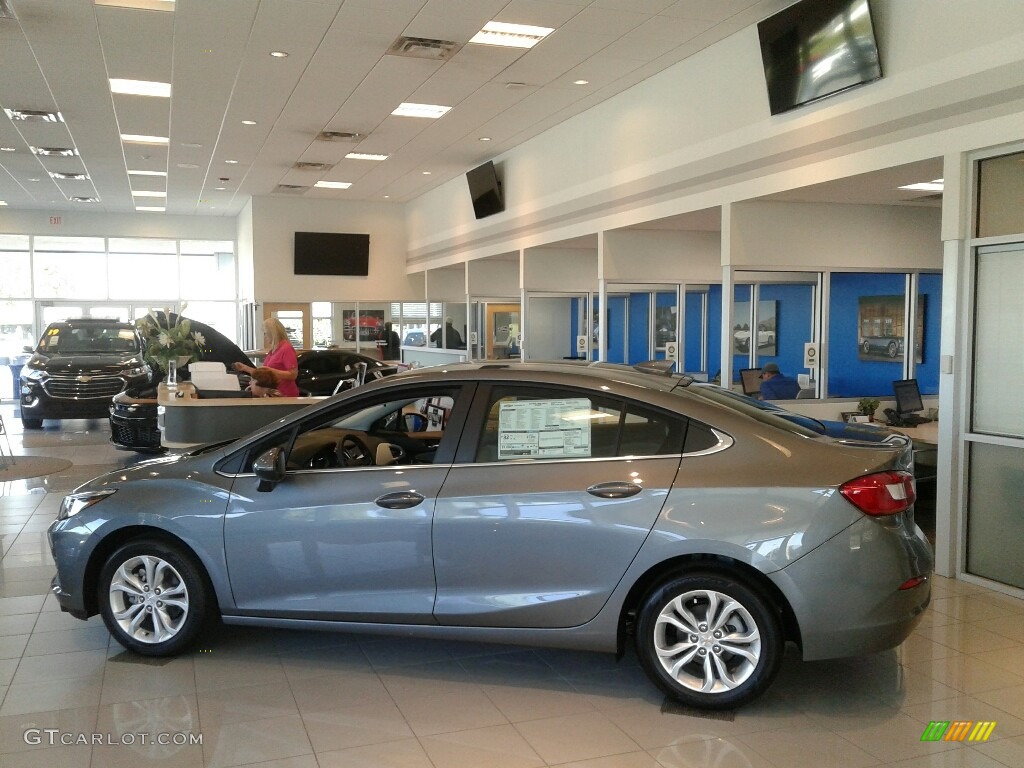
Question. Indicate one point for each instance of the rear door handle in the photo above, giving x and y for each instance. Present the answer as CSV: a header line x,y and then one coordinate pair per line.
x,y
614,490
400,500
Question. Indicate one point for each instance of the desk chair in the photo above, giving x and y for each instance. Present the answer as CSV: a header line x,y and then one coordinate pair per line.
x,y
7,439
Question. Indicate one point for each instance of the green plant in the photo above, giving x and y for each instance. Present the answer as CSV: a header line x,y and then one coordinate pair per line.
x,y
166,340
868,405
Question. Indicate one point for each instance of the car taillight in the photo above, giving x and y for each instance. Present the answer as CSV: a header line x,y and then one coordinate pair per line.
x,y
881,493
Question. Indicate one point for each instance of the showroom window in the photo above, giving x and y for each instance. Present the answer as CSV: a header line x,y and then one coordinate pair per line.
x,y
70,266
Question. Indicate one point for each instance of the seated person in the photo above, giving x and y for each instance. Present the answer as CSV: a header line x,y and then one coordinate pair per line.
x,y
777,386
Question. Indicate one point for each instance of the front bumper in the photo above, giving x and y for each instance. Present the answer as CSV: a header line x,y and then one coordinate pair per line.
x,y
133,426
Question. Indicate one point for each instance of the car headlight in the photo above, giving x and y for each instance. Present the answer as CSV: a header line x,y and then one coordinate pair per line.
x,y
75,502
33,374
137,371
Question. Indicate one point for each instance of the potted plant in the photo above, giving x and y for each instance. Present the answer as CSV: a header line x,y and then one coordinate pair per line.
x,y
170,344
868,405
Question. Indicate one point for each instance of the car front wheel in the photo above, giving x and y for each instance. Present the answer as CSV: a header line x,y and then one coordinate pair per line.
x,y
152,597
709,641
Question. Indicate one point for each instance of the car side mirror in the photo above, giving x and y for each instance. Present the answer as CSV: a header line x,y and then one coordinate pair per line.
x,y
270,468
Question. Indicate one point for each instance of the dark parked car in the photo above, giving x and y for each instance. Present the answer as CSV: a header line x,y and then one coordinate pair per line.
x,y
891,346
560,504
133,413
77,367
415,339
322,370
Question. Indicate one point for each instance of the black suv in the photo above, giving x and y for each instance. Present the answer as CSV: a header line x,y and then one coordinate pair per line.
x,y
77,368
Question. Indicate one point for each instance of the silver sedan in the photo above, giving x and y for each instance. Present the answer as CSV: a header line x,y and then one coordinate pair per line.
x,y
563,504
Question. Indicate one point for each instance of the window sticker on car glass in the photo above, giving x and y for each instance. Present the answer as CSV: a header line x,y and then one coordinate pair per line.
x,y
544,429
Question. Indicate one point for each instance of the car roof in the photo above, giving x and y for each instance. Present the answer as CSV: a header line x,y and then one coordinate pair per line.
x,y
89,321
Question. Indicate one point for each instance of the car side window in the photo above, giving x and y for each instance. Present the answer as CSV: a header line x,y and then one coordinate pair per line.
x,y
411,426
541,423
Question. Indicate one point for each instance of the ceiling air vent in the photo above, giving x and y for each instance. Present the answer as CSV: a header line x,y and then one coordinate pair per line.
x,y
69,176
54,151
39,115
289,189
80,199
424,48
313,166
6,12
338,136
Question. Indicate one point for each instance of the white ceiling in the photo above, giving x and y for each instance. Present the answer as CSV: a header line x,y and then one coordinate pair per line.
x,y
58,55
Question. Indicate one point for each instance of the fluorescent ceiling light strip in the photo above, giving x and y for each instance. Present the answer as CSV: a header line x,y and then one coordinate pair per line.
x,y
147,173
333,184
133,138
140,87
143,5
156,208
365,156
144,193
926,186
510,35
409,109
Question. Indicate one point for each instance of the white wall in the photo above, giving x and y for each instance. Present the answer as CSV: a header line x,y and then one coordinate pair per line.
x,y
92,224
490,278
657,256
274,223
560,269
816,235
246,267
546,329
699,134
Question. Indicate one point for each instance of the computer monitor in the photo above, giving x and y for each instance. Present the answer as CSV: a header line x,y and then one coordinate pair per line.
x,y
750,380
908,396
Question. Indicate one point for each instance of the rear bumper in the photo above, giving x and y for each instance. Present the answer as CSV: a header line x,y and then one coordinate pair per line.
x,y
855,605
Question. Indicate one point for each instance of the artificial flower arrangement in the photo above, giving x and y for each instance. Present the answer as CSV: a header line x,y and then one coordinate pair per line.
x,y
169,341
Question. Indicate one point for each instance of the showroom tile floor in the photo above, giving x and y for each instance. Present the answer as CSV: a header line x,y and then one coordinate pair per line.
x,y
300,700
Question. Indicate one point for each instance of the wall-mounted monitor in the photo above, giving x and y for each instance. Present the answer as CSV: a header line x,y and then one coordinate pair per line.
x,y
817,48
485,190
332,253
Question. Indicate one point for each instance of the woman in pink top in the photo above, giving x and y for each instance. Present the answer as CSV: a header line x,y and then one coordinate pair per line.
x,y
281,358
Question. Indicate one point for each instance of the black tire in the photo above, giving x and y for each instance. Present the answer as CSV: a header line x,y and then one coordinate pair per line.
x,y
31,423
866,346
732,679
893,349
170,572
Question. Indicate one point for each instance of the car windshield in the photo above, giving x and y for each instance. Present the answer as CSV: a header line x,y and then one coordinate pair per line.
x,y
767,413
66,340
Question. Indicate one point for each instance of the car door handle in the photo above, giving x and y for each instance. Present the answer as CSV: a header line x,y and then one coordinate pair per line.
x,y
400,500
614,490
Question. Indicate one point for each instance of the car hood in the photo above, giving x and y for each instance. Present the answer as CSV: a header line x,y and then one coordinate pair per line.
x,y
179,465
84,363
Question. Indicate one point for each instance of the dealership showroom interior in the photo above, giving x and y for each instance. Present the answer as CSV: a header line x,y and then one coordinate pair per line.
x,y
324,322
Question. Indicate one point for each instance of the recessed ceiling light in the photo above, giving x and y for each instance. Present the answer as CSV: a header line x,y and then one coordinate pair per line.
x,y
34,178
3,202
580,82
220,189
387,197
154,208
510,35
147,173
935,185
7,149
333,184
144,193
69,176
140,87
248,122
54,151
134,138
426,173
485,138
365,156
145,5
279,54
34,114
408,109
231,162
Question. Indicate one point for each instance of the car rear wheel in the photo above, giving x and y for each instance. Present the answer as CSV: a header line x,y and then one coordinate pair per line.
x,y
152,597
893,349
709,641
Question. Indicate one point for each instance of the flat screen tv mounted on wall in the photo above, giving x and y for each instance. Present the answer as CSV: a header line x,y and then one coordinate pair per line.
x,y
332,253
485,189
817,48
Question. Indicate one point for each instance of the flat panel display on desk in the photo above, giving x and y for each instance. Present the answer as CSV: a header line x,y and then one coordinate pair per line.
x,y
485,189
816,48
332,253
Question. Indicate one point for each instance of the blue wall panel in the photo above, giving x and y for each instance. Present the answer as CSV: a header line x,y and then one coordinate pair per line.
x,y
639,312
927,371
793,326
694,332
848,375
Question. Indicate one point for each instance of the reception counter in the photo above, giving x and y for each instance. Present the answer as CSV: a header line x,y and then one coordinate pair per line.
x,y
185,419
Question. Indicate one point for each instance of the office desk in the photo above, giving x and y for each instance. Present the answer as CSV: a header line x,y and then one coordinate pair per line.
x,y
926,448
925,434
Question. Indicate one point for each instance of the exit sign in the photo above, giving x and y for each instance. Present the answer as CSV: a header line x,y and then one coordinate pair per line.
x,y
55,221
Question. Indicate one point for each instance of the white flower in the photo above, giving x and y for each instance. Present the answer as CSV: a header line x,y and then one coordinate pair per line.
x,y
164,339
199,338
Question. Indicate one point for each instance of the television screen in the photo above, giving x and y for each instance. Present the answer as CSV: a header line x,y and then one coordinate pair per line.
x,y
816,48
485,189
332,253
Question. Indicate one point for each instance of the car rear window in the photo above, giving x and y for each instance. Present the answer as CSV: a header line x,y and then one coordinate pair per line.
x,y
766,413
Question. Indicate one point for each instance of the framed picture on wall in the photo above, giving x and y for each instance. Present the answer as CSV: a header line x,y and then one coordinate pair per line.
x,y
880,328
767,322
